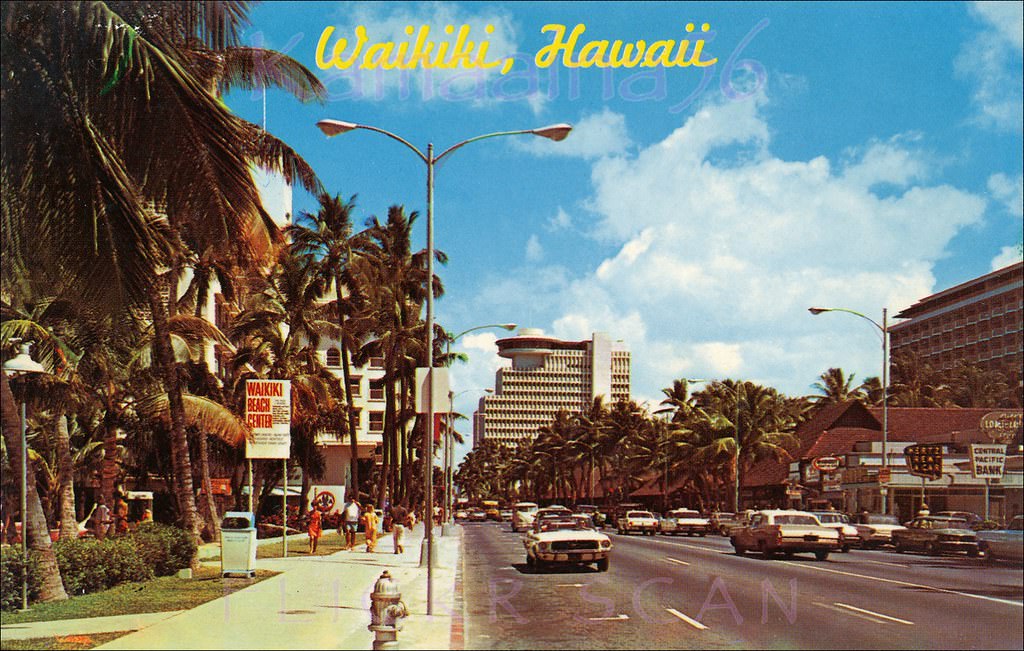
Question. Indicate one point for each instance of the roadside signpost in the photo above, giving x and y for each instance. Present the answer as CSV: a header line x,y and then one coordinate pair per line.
x,y
988,461
268,413
925,461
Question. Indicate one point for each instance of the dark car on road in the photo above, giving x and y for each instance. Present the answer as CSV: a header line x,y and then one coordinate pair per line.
x,y
936,535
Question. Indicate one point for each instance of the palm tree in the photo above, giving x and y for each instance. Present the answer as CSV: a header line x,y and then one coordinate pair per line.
x,y
834,387
329,239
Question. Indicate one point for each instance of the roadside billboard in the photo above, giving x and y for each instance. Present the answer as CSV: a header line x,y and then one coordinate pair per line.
x,y
268,413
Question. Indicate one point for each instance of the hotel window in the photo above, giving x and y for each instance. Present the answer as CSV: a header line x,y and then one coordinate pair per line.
x,y
376,389
376,421
333,357
355,382
376,362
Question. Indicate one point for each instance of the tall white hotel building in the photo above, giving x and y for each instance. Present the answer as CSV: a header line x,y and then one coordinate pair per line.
x,y
546,375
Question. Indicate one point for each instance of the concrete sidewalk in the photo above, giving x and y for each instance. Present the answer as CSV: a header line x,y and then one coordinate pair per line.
x,y
317,602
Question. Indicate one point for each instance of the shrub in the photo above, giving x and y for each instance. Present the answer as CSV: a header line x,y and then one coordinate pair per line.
x,y
12,568
89,565
164,548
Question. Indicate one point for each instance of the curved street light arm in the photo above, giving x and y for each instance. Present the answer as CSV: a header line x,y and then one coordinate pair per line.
x,y
457,145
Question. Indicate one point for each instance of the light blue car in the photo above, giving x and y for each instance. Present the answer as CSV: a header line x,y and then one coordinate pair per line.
x,y
1004,544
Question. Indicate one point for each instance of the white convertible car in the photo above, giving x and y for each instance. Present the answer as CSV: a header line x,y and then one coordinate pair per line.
x,y
559,539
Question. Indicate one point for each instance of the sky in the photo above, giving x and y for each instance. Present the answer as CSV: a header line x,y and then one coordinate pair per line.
x,y
854,155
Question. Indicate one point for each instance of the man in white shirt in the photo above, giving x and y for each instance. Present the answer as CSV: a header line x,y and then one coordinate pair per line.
x,y
350,521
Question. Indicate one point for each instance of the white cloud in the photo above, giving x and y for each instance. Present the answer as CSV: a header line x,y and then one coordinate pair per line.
x,y
992,60
561,221
594,136
722,247
1007,255
1009,192
534,250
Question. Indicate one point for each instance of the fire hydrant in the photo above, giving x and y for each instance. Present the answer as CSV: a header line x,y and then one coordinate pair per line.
x,y
386,609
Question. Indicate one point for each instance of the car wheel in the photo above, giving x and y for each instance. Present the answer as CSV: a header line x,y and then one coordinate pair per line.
x,y
602,565
845,549
821,554
767,554
899,547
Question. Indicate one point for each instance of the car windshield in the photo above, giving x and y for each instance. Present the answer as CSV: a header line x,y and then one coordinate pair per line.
x,y
881,519
639,514
684,514
796,519
526,508
555,524
941,523
832,517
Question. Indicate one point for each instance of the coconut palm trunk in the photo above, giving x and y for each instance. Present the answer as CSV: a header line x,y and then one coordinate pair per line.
x,y
51,588
180,459
66,476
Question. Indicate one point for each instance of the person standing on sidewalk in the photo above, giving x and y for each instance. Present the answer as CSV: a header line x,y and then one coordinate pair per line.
x,y
370,524
399,517
350,522
314,529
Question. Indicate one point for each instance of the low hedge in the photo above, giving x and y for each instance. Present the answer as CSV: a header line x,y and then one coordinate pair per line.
x,y
90,565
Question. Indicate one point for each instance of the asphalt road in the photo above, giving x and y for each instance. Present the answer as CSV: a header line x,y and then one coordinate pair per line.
x,y
682,592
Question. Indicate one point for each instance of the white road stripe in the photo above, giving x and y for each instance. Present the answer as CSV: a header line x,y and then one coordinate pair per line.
x,y
1008,602
570,585
884,563
619,617
692,622
874,614
676,561
873,620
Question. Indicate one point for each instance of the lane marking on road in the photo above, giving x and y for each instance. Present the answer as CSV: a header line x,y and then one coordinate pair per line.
x,y
873,620
618,618
570,585
692,622
873,613
885,563
1019,604
675,560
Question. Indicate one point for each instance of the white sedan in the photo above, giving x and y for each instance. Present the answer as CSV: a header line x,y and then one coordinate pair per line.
x,y
1004,544
566,540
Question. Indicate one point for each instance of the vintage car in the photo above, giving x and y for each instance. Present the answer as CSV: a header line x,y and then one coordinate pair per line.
x,y
848,535
506,514
462,514
642,521
1004,544
592,511
565,539
686,521
722,522
974,521
522,515
875,529
477,515
936,535
785,531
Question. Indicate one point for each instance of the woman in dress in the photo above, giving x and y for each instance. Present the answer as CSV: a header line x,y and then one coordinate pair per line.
x,y
314,529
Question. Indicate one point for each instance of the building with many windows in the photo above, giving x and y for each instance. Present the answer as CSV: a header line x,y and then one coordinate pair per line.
x,y
548,374
980,322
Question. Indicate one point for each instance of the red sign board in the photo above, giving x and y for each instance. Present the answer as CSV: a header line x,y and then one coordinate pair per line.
x,y
826,464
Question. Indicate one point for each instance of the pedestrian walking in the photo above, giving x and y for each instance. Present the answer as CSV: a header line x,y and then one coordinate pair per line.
x,y
314,529
399,517
350,522
370,523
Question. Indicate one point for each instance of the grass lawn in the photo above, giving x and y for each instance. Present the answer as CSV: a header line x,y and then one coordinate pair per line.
x,y
63,642
159,595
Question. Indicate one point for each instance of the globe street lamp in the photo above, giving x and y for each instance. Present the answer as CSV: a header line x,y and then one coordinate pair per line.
x,y
23,364
449,444
884,329
736,426
554,132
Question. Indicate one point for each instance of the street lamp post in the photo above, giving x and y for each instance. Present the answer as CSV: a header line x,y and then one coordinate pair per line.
x,y
449,444
22,364
736,430
884,329
329,127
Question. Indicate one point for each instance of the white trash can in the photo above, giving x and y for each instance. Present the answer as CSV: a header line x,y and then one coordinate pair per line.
x,y
238,544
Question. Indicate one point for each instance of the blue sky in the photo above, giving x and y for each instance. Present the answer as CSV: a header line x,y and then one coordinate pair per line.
x,y
859,155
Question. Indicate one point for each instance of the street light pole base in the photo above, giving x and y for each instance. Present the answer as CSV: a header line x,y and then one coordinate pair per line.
x,y
424,547
447,529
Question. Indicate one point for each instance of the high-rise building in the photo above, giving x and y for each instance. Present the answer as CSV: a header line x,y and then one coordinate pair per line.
x,y
980,322
546,375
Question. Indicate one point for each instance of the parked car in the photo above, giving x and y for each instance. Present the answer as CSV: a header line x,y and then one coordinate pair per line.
x,y
591,511
722,522
522,515
848,536
642,521
875,529
506,515
686,521
462,514
974,521
936,535
620,509
785,531
564,538
477,515
1004,544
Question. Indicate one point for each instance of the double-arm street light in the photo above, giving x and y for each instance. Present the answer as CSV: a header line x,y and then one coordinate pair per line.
x,y
449,444
23,364
736,430
883,327
554,132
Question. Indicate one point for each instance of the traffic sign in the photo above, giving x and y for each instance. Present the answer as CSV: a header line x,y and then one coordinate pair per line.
x,y
826,464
